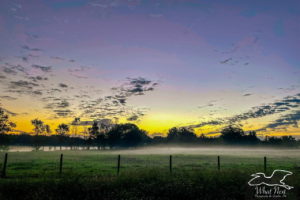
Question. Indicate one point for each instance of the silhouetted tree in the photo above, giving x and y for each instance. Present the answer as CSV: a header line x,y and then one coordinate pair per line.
x,y
172,134
93,133
232,133
94,130
39,129
250,138
62,131
5,124
181,135
39,126
126,135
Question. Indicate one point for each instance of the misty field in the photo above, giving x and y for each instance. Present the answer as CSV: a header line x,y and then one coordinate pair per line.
x,y
95,162
144,173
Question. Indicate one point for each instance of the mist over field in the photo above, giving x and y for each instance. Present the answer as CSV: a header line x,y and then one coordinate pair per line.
x,y
219,150
240,151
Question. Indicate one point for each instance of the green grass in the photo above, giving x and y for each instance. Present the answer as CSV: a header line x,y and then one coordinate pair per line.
x,y
91,163
92,175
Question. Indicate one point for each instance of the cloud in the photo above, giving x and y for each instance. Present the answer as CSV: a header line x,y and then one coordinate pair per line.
x,y
57,58
9,71
22,84
246,95
8,98
78,72
14,69
133,118
25,47
9,112
279,106
225,61
136,86
37,78
115,104
43,68
37,92
285,120
57,105
62,85
63,113
212,122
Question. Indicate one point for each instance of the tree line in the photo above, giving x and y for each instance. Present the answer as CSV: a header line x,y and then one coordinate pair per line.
x,y
128,135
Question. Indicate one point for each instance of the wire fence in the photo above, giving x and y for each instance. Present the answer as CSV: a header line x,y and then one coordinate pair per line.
x,y
93,163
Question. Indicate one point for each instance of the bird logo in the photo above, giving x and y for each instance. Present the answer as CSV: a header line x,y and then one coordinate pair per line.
x,y
276,179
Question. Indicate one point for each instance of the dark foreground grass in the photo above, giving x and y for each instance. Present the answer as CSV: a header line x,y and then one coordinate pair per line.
x,y
147,184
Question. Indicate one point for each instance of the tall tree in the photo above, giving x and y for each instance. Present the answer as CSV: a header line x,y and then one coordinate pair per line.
x,y
232,133
39,129
181,135
94,130
5,124
93,133
62,129
126,135
39,126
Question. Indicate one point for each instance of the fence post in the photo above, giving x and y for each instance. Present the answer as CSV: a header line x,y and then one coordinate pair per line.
x,y
119,163
3,175
170,163
219,164
61,163
265,164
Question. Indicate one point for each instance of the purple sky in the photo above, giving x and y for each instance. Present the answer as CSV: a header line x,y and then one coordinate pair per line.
x,y
205,60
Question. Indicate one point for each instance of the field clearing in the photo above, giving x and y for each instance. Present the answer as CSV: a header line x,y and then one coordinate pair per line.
x,y
104,162
144,173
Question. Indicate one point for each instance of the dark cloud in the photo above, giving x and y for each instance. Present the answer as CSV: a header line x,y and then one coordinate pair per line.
x,y
62,85
43,68
24,58
285,120
10,71
37,78
8,111
63,113
13,69
246,95
135,86
22,84
225,61
57,58
277,107
52,90
8,98
57,104
37,92
115,105
212,122
2,77
25,47
283,105
32,36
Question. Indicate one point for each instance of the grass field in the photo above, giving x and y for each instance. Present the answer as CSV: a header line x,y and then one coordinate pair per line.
x,y
144,172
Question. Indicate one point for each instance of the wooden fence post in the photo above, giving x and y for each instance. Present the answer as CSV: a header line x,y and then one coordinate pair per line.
x,y
3,174
119,163
61,163
219,164
265,164
170,163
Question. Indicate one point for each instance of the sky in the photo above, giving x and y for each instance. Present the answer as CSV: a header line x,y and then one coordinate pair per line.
x,y
200,64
